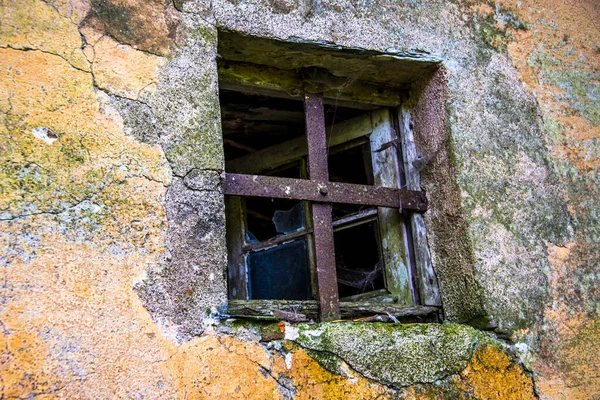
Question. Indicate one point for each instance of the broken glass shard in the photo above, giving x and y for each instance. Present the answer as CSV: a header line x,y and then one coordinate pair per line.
x,y
250,238
289,221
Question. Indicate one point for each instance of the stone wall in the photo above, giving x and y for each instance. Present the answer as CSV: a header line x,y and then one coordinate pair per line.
x,y
112,243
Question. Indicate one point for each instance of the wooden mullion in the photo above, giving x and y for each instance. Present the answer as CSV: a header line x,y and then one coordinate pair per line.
x,y
427,281
386,172
236,259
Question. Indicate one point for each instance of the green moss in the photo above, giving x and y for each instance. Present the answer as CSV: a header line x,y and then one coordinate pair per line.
x,y
328,361
493,31
583,90
292,83
26,178
200,145
207,35
178,4
72,153
394,354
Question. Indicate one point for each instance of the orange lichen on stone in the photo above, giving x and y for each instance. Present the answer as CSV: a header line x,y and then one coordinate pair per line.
x,y
553,57
491,374
20,366
119,68
222,368
579,363
35,24
558,58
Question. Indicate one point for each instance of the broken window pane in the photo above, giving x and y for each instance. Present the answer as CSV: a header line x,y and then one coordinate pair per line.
x,y
280,272
267,218
288,221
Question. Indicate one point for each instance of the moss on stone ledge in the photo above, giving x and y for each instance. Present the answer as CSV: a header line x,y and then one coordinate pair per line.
x,y
394,354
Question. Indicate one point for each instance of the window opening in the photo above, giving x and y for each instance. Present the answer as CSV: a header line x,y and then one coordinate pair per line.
x,y
314,215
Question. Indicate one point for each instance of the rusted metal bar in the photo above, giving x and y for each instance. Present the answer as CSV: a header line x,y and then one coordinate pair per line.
x,y
323,191
325,259
318,170
316,139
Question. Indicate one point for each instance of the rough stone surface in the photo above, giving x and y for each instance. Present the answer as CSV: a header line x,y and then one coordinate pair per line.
x,y
112,243
388,354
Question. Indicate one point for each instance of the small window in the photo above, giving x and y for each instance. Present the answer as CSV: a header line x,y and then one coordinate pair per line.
x,y
319,217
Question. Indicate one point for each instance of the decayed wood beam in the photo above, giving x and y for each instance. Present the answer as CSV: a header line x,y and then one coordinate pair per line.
x,y
286,152
236,260
287,83
348,310
378,295
428,285
386,173
279,239
354,219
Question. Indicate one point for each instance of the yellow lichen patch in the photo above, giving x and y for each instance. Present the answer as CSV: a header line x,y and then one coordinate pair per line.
x,y
122,70
58,145
35,24
491,374
557,57
573,372
75,10
20,366
86,332
311,381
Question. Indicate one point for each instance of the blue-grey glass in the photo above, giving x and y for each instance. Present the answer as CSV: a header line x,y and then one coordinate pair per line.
x,y
250,238
280,272
289,221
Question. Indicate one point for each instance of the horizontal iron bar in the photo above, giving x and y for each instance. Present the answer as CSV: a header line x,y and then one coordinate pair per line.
x,y
323,192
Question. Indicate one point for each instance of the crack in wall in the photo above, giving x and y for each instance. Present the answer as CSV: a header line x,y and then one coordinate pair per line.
x,y
26,49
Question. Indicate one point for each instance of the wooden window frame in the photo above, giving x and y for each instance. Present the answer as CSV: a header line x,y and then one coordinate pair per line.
x,y
321,193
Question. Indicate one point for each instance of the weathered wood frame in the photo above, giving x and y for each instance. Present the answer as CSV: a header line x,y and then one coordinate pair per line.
x,y
391,175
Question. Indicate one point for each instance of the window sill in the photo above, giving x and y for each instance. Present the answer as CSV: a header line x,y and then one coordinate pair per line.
x,y
349,310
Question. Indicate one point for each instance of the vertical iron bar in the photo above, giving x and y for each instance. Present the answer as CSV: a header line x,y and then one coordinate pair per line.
x,y
316,141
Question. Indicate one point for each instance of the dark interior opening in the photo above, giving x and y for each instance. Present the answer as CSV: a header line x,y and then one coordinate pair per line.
x,y
350,165
252,122
357,255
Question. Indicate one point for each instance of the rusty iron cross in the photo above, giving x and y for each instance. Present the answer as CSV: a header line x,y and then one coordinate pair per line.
x,y
322,193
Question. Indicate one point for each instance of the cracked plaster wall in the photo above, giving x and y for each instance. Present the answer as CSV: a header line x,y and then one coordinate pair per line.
x,y
112,231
